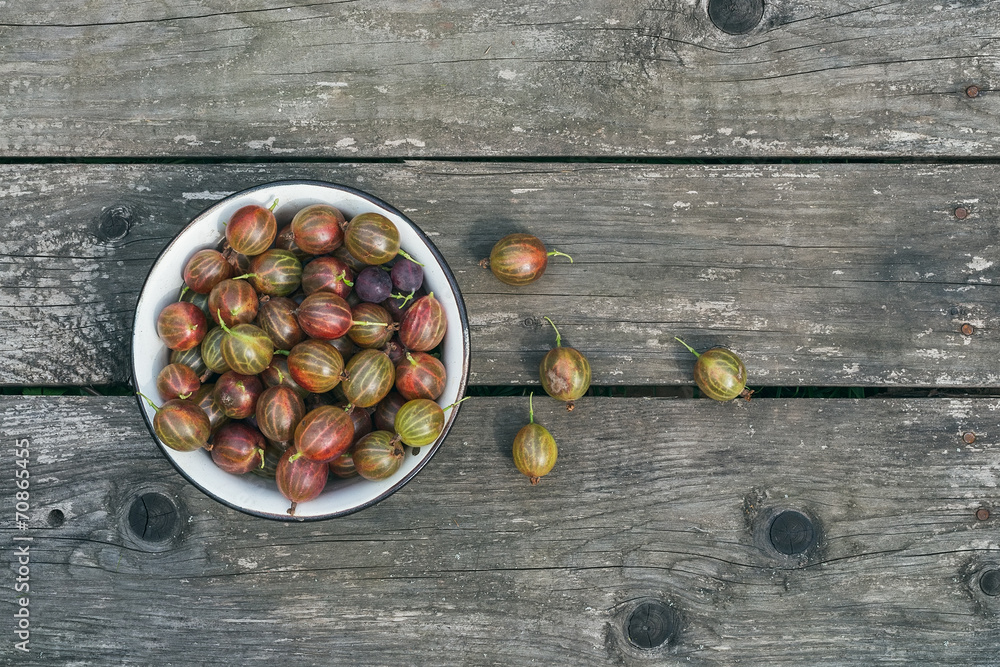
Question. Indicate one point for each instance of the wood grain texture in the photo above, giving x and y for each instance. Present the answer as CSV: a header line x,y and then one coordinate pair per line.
x,y
426,78
469,564
817,275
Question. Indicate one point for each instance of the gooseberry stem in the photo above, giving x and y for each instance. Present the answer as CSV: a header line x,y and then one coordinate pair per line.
x,y
271,208
151,404
690,349
373,324
222,323
454,404
405,297
245,275
553,253
531,409
407,256
262,459
183,292
286,353
558,336
342,277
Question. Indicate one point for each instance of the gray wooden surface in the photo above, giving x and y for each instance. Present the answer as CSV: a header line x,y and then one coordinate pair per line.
x,y
652,499
852,275
424,78
819,193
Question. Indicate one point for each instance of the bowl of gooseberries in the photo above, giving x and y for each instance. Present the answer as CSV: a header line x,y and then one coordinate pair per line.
x,y
300,350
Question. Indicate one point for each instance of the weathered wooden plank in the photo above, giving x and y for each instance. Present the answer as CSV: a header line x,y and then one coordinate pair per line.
x,y
404,78
663,500
817,274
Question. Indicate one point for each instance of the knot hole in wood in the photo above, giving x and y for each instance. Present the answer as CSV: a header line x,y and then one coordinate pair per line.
x,y
792,533
115,222
652,624
735,17
153,517
989,582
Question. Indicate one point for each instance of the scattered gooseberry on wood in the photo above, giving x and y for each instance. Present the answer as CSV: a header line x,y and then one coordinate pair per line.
x,y
719,373
520,259
564,372
535,451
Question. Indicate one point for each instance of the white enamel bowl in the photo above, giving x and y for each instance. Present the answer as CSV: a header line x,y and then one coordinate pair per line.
x,y
250,493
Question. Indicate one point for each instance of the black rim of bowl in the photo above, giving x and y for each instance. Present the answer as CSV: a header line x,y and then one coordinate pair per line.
x,y
463,318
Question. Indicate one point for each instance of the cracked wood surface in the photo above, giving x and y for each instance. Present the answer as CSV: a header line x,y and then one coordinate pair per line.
x,y
471,565
819,275
426,78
